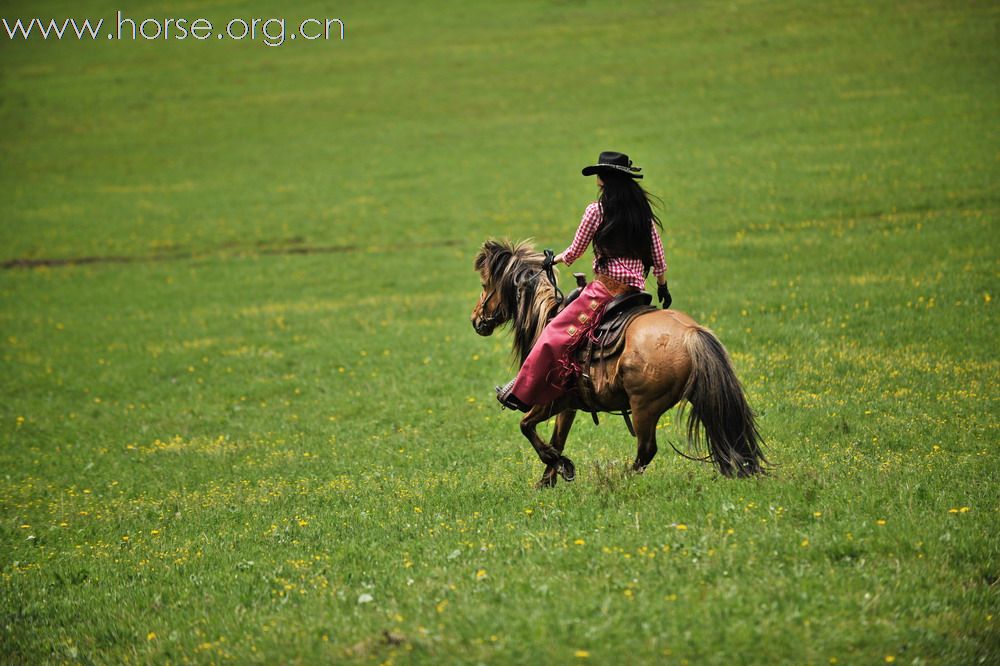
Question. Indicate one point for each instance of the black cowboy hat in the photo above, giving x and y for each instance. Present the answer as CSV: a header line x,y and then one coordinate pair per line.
x,y
612,161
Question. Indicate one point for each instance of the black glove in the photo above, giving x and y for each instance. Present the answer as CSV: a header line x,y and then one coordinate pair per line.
x,y
663,295
549,260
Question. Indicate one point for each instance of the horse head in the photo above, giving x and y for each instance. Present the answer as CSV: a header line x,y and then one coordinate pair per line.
x,y
505,270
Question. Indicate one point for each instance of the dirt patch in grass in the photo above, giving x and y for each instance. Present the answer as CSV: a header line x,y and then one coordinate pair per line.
x,y
262,248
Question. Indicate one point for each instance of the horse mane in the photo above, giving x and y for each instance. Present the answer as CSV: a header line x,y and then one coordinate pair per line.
x,y
527,298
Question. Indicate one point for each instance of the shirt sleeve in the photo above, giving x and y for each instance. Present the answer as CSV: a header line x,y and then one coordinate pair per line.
x,y
592,218
659,263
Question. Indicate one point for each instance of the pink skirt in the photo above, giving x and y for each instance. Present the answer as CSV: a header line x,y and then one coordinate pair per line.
x,y
549,371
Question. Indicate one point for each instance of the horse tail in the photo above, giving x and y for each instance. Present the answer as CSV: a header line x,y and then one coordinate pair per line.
x,y
719,409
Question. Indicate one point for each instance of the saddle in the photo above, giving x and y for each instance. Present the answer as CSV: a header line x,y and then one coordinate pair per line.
x,y
606,340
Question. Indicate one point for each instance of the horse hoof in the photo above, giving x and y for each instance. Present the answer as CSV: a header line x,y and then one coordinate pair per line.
x,y
547,481
567,469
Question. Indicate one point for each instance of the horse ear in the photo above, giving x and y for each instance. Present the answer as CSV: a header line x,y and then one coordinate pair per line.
x,y
495,256
485,253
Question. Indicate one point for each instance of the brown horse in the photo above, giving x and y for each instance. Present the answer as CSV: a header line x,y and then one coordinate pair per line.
x,y
667,358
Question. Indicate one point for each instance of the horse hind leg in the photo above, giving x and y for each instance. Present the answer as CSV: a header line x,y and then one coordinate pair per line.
x,y
645,434
645,415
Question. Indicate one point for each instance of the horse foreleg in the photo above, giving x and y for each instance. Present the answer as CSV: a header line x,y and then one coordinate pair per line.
x,y
564,421
550,454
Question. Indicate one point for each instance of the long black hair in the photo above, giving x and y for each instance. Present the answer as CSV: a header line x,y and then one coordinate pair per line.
x,y
628,218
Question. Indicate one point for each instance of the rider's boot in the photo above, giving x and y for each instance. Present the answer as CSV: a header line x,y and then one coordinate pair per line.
x,y
508,399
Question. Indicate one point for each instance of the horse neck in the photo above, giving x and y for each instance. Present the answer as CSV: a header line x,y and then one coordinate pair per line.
x,y
531,317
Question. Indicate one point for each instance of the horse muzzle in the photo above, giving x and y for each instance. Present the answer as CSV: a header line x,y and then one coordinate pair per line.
x,y
483,327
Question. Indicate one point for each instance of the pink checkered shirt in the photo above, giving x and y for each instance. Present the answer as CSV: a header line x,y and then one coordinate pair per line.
x,y
629,271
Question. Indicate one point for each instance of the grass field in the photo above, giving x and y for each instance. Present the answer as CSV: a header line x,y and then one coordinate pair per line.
x,y
245,417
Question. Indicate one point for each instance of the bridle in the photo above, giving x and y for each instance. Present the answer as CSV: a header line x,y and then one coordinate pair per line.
x,y
490,320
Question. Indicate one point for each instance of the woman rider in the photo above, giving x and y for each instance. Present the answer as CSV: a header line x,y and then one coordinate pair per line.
x,y
622,226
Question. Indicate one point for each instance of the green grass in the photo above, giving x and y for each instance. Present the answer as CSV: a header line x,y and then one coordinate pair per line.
x,y
219,449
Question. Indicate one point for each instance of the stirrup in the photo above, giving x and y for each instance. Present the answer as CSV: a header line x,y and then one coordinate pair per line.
x,y
507,399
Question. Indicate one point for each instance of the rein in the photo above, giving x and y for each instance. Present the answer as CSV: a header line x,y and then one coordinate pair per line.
x,y
551,275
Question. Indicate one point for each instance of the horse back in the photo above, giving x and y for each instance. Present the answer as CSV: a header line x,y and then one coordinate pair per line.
x,y
651,359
